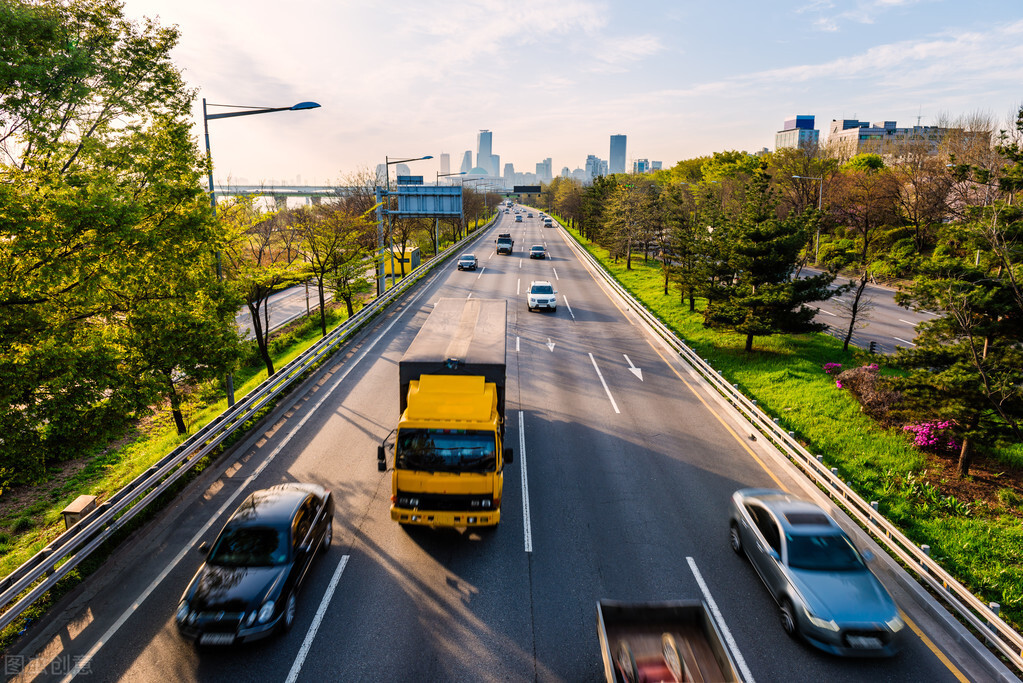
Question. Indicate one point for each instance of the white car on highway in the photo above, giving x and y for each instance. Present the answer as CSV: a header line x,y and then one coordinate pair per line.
x,y
541,294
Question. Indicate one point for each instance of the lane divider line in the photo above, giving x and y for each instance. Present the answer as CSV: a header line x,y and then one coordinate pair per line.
x,y
527,528
608,391
747,675
310,635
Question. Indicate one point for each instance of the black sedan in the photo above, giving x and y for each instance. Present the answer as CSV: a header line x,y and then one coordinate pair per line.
x,y
248,586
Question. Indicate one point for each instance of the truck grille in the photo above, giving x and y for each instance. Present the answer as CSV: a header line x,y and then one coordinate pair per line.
x,y
443,501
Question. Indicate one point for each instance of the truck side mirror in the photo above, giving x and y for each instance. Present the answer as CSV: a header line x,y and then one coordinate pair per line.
x,y
381,459
509,456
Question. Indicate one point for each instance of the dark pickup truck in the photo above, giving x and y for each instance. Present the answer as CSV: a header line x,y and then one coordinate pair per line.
x,y
504,243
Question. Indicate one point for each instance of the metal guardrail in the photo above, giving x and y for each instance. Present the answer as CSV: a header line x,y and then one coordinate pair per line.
x,y
969,607
44,569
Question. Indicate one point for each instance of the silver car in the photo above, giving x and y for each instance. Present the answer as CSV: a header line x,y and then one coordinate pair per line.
x,y
467,262
824,590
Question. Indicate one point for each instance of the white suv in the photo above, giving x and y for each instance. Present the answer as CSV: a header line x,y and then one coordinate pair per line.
x,y
541,294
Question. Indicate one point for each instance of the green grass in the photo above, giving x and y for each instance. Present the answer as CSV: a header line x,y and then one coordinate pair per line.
x,y
977,543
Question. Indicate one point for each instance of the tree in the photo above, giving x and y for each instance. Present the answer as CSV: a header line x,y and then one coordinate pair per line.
x,y
865,202
102,216
765,299
628,217
259,262
967,365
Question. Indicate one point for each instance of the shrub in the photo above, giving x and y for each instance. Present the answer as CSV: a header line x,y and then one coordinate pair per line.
x,y
932,436
865,384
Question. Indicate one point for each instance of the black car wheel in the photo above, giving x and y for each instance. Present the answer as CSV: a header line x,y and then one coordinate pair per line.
x,y
328,535
734,539
788,618
290,605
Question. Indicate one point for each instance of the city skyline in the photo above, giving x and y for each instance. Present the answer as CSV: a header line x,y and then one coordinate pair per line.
x,y
556,81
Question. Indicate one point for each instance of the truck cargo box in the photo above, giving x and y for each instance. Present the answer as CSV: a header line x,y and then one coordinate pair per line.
x,y
460,337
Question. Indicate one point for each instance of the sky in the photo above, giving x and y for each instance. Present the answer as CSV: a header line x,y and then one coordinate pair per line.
x,y
557,78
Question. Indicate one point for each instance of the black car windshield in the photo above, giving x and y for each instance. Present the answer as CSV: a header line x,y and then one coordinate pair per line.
x,y
250,546
541,289
833,552
446,450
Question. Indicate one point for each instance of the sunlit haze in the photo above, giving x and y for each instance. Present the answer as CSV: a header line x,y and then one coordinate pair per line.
x,y
557,79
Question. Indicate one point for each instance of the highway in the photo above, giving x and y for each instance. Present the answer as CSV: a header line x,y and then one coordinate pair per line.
x,y
624,464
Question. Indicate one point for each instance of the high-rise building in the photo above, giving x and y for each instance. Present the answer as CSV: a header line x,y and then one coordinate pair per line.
x,y
509,171
641,166
466,161
594,165
485,151
545,170
797,132
616,162
445,162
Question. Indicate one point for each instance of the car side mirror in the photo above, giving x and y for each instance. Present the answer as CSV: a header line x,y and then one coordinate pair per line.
x,y
774,553
509,456
867,556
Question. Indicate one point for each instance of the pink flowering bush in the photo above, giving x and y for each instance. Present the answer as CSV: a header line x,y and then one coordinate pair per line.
x,y
932,436
832,368
838,384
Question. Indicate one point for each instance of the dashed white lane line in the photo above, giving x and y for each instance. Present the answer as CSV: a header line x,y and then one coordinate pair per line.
x,y
310,635
608,391
904,341
568,306
527,529
747,675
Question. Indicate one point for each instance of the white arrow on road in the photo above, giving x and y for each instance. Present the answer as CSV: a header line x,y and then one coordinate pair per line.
x,y
633,369
550,344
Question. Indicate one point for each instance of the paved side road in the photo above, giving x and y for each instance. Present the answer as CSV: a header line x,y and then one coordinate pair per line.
x,y
886,323
284,307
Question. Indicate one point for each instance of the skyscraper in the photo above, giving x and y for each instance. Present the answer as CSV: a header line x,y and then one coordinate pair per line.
x,y
466,161
445,162
617,158
485,151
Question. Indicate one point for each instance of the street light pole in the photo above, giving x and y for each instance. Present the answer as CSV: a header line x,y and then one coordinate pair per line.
x,y
820,198
206,118
390,219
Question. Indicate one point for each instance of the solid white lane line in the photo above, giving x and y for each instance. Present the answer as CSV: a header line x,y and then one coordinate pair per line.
x,y
105,638
569,307
608,391
310,635
747,675
527,529
904,341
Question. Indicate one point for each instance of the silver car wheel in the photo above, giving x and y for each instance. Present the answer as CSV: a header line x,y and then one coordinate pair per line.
x,y
788,618
734,539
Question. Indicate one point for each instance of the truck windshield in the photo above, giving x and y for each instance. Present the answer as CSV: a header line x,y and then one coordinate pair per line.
x,y
446,450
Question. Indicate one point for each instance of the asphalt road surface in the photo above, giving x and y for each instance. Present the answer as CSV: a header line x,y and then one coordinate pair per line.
x,y
624,464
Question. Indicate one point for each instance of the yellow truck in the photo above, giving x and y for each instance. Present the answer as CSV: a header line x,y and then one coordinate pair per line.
x,y
448,448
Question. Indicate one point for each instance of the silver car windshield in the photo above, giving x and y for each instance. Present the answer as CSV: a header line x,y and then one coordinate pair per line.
x,y
822,553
